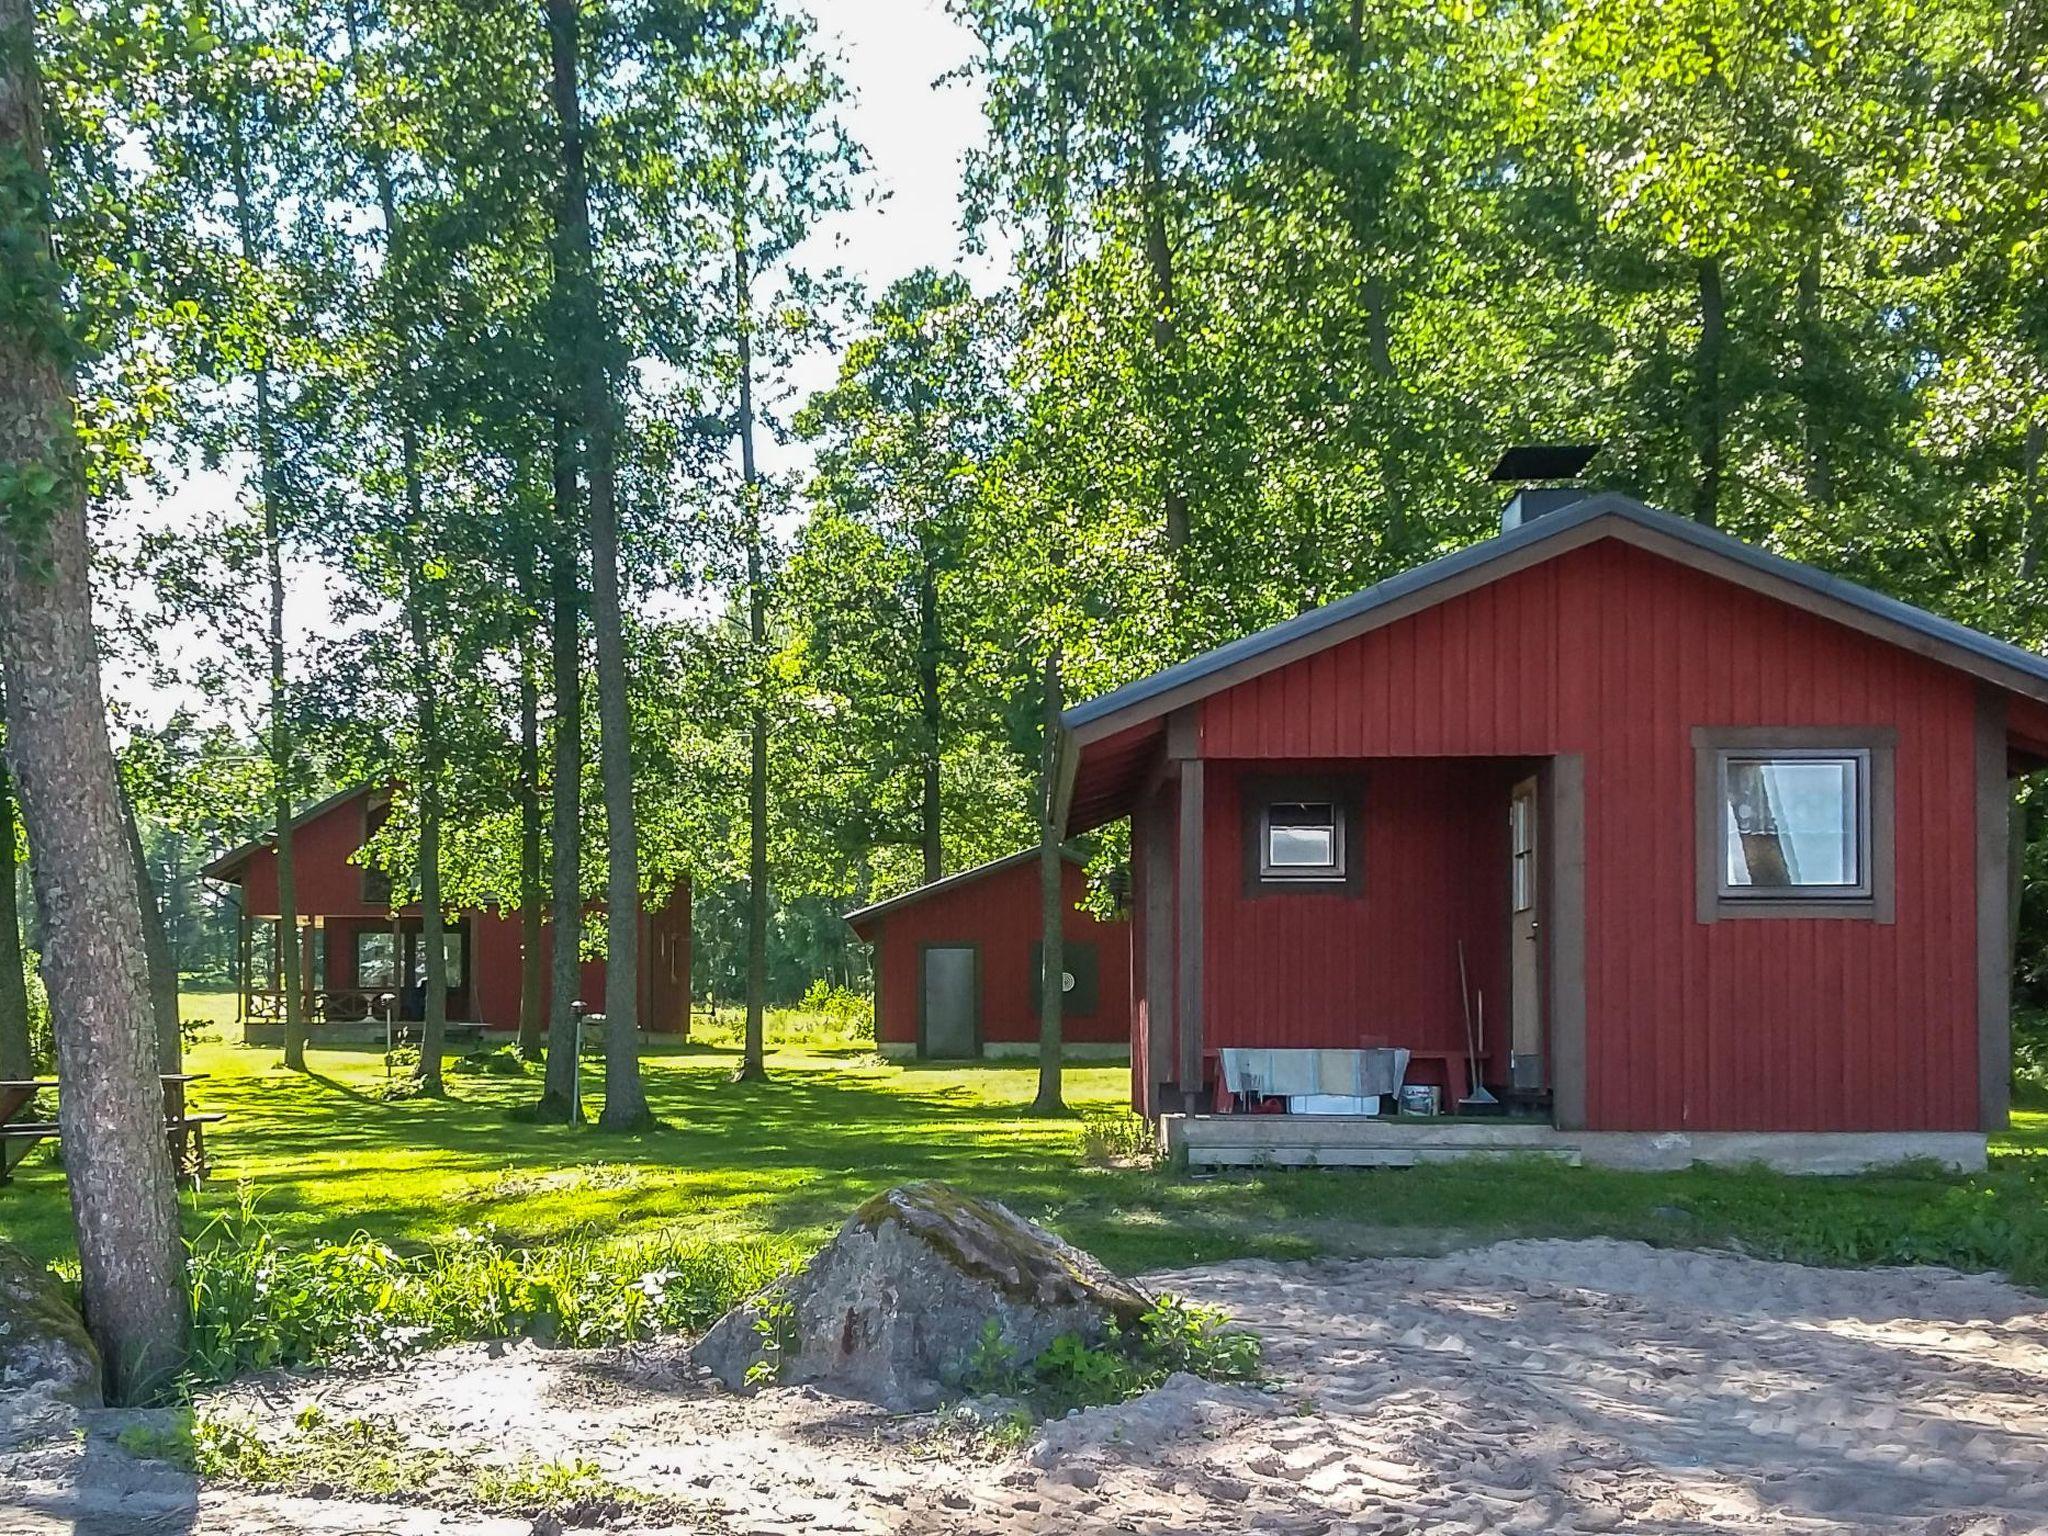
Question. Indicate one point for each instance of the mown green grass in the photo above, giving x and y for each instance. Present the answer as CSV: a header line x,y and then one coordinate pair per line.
x,y
791,1156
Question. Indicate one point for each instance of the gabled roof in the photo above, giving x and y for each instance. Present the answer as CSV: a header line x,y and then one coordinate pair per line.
x,y
228,866
1604,515
951,882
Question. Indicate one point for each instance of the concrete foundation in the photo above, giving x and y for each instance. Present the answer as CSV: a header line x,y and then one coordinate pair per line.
x,y
1344,1141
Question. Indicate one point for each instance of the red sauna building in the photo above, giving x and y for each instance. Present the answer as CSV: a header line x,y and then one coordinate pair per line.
x,y
957,966
357,947
1724,841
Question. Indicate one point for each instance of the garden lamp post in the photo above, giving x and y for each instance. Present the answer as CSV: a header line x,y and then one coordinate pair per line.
x,y
576,1011
389,1003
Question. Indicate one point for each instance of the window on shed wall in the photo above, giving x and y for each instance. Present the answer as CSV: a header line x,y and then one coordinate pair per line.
x,y
1795,824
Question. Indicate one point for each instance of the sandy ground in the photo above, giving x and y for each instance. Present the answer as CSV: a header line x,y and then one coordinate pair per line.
x,y
1528,1386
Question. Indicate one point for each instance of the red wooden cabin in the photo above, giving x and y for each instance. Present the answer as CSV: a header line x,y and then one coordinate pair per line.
x,y
957,965
358,947
1724,839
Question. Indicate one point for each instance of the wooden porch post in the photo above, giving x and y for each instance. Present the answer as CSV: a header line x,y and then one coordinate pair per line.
x,y
1182,745
1565,817
243,944
1155,834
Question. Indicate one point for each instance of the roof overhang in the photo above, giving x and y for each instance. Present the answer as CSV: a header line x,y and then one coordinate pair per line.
x,y
1119,717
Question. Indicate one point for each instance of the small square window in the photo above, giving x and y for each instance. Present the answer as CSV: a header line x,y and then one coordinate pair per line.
x,y
1302,840
1794,824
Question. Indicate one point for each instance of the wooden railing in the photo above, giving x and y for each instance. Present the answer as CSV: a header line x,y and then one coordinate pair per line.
x,y
348,1005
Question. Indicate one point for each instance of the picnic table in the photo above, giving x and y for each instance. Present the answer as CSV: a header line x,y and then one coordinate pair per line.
x,y
184,1132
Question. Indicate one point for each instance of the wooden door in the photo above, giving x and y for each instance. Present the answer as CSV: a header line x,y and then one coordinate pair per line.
x,y
1525,906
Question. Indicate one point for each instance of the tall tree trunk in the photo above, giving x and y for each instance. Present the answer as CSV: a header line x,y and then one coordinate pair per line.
x,y
156,951
1815,383
754,1056
15,1058
421,627
1051,897
124,1209
625,1097
1709,404
532,890
1165,332
269,483
559,1098
433,930
933,746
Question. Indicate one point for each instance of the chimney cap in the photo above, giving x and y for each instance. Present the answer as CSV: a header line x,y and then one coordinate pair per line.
x,y
1544,461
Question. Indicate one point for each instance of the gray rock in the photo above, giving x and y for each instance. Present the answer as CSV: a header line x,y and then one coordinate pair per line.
x,y
896,1304
44,1348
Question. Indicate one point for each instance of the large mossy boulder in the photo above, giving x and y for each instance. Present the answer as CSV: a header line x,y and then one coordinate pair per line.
x,y
44,1348
897,1305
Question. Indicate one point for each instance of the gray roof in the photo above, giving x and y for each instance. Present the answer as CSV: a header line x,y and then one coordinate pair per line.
x,y
951,882
2023,670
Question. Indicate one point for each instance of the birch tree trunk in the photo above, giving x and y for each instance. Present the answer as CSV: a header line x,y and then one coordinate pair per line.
x,y
131,1256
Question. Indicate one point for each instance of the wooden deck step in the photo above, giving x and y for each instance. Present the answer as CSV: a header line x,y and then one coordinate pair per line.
x,y
1345,1141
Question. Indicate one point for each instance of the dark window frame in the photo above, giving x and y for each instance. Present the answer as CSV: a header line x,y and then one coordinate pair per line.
x,y
1343,793
1875,898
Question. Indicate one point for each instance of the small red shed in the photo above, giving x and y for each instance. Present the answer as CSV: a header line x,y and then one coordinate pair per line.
x,y
356,947
1724,841
957,966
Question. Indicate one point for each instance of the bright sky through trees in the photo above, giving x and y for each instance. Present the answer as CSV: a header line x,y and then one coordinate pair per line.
x,y
915,130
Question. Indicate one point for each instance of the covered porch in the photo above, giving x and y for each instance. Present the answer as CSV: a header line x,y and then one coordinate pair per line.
x,y
1425,909
350,964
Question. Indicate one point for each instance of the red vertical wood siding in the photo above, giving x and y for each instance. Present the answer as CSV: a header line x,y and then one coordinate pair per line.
x,y
1609,651
330,888
999,913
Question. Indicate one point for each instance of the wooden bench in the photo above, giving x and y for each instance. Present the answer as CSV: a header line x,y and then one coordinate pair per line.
x,y
185,1133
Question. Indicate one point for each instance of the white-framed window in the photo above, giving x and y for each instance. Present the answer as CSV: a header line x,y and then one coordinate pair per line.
x,y
1794,823
1302,840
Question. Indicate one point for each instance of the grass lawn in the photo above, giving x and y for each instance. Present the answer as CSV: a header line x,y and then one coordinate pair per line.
x,y
326,1158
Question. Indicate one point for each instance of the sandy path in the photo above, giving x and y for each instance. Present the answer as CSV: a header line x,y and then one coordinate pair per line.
x,y
1529,1386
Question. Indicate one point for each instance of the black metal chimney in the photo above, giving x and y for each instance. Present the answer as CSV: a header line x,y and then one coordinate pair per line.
x,y
1543,472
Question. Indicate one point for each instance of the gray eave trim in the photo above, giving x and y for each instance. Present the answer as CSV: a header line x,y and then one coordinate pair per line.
x,y
950,882
1998,661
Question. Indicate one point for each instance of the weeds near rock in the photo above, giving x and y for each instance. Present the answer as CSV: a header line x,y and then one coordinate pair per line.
x,y
1175,1336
